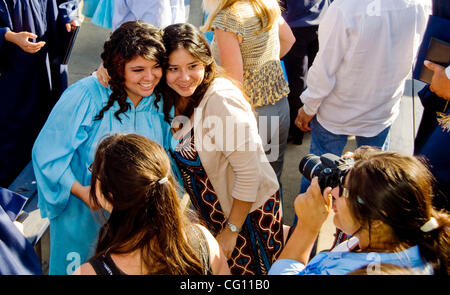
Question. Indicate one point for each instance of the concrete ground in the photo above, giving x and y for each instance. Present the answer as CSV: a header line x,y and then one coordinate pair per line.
x,y
85,59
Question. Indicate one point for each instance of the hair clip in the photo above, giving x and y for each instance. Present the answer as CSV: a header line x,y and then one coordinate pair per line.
x,y
430,225
163,180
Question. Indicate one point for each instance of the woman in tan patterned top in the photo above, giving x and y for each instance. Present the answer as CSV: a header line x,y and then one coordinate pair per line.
x,y
250,37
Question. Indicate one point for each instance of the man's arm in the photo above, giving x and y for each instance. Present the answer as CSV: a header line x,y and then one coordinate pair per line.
x,y
333,44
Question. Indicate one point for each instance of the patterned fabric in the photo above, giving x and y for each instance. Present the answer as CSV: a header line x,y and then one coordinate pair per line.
x,y
261,239
264,80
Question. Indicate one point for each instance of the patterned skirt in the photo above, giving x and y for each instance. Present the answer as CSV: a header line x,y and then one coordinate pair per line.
x,y
261,238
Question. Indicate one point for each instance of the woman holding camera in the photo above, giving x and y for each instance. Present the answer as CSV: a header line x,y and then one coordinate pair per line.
x,y
385,204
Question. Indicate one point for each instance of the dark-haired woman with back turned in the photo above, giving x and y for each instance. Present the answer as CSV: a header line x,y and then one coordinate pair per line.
x,y
84,114
385,204
147,231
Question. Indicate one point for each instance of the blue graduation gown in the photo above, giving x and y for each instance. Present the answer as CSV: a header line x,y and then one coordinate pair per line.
x,y
103,14
17,256
304,13
433,139
30,84
89,7
62,154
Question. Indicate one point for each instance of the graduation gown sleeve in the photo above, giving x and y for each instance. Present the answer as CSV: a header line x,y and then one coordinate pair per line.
x,y
65,130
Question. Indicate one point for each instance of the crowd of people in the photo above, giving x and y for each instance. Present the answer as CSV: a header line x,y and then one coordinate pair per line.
x,y
168,114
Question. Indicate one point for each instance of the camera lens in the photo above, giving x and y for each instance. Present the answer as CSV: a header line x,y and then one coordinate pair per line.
x,y
309,165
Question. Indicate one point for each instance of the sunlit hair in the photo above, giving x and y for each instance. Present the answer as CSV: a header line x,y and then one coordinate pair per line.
x,y
146,214
267,11
130,40
397,190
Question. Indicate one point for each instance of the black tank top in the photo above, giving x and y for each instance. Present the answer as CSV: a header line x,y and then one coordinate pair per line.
x,y
104,265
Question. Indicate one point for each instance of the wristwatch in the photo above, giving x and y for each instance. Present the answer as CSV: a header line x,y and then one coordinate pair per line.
x,y
233,227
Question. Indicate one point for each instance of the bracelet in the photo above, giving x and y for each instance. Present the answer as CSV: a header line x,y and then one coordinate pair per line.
x,y
233,228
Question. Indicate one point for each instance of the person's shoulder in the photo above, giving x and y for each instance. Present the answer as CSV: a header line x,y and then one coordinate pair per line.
x,y
349,6
224,91
238,10
85,269
90,90
204,230
221,83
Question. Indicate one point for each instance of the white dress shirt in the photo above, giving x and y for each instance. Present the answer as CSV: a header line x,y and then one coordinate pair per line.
x,y
160,13
366,50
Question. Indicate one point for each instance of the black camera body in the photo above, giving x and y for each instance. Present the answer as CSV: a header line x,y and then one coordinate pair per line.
x,y
329,168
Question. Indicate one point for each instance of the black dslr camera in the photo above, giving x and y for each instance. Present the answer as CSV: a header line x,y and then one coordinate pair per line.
x,y
330,169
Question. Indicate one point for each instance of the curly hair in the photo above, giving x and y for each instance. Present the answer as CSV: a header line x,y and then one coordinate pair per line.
x,y
130,40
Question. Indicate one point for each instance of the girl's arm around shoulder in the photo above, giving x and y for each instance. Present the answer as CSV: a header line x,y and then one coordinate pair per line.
x,y
217,258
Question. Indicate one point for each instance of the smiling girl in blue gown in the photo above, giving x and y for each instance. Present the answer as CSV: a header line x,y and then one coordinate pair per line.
x,y
86,113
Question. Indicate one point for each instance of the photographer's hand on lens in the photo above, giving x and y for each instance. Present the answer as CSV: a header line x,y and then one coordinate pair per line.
x,y
313,208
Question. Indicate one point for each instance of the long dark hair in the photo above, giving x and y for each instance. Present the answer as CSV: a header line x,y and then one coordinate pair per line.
x,y
146,214
397,189
130,40
189,37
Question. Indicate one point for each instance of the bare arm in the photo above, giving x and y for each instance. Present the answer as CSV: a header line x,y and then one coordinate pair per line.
x,y
81,192
286,36
218,260
230,57
312,209
226,238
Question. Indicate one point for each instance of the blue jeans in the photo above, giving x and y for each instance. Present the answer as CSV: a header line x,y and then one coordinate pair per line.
x,y
323,141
